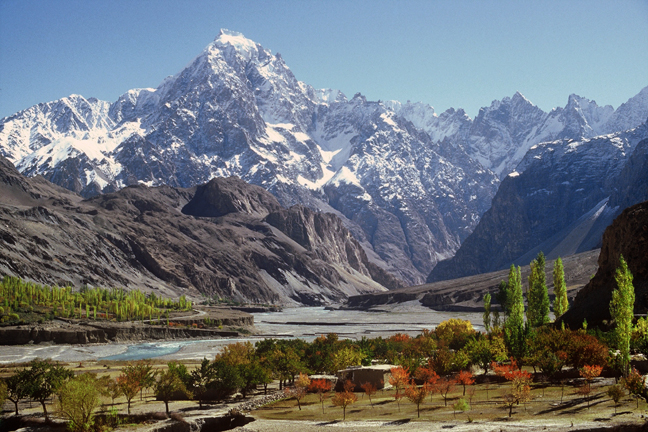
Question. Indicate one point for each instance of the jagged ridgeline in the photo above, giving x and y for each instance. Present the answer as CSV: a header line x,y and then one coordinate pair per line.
x,y
24,302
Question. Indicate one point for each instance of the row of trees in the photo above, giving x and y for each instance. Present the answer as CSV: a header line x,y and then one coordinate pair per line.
x,y
519,334
511,298
18,297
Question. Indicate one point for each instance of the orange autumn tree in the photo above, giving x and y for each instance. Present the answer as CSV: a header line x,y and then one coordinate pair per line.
x,y
322,387
417,395
129,387
445,386
399,379
299,391
345,398
589,373
429,377
503,370
465,378
520,390
369,390
635,384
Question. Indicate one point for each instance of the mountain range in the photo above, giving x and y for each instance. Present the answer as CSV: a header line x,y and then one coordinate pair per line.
x,y
411,185
225,239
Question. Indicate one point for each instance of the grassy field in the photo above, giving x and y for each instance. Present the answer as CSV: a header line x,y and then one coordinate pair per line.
x,y
487,404
102,368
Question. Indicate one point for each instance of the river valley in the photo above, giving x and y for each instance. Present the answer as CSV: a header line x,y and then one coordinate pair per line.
x,y
306,323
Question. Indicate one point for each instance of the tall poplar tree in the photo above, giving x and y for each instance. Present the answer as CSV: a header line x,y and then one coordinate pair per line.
x,y
514,329
487,311
560,289
537,296
622,311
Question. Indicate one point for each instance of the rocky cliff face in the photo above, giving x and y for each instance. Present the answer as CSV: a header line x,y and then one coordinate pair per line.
x,y
213,239
84,334
558,203
627,236
632,184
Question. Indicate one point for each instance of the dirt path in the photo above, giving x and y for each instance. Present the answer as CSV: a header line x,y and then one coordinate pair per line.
x,y
262,425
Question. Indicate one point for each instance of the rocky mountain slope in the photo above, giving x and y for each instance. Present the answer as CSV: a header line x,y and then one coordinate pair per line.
x,y
225,238
563,197
410,185
627,236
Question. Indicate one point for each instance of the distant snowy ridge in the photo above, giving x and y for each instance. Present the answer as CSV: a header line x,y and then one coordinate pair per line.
x,y
502,133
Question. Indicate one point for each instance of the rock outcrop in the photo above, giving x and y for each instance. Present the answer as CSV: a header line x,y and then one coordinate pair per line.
x,y
23,335
627,236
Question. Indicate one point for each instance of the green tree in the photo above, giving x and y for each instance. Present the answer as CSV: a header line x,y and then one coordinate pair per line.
x,y
18,387
44,379
514,328
487,312
3,392
560,289
201,379
181,372
616,393
78,398
227,379
286,363
461,405
252,375
502,297
622,312
483,351
167,385
346,357
538,298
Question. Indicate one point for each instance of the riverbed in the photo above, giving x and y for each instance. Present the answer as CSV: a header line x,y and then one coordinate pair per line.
x,y
305,323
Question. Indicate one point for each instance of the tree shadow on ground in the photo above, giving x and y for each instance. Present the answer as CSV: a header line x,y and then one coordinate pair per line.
x,y
328,423
574,406
582,407
398,422
431,408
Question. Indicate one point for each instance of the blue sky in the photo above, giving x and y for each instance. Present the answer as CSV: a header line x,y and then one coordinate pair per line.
x,y
455,53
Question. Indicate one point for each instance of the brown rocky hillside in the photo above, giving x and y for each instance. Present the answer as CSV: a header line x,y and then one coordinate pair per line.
x,y
225,238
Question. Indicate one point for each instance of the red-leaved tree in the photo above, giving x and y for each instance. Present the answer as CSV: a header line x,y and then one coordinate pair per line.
x,y
399,379
369,390
345,398
445,386
465,378
417,395
322,387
